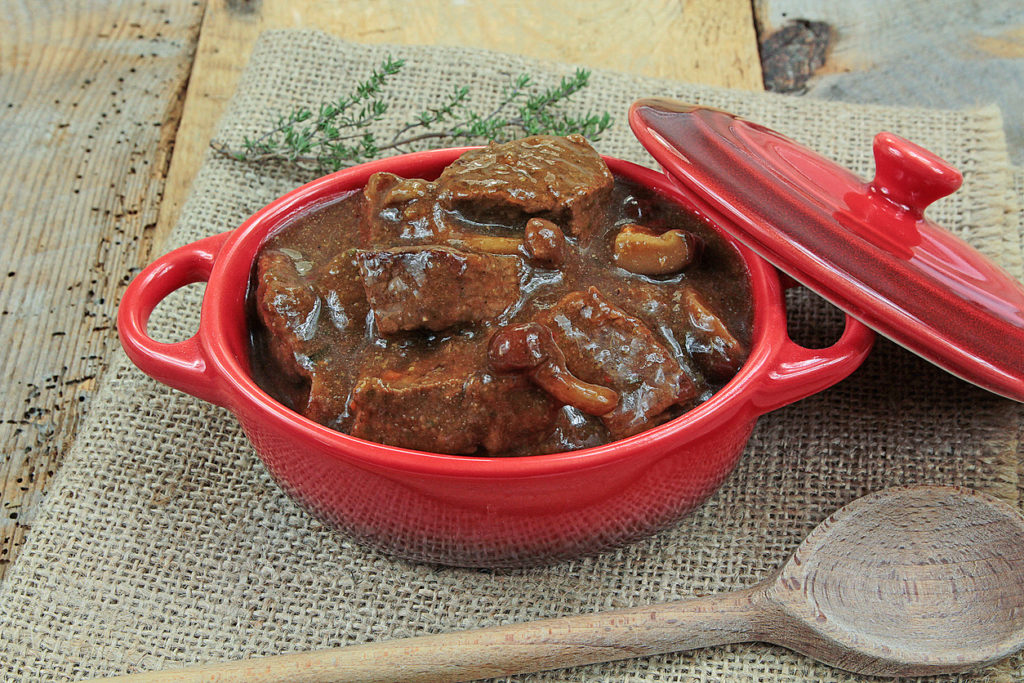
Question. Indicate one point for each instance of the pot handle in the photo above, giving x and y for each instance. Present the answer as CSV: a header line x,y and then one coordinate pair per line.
x,y
799,372
182,365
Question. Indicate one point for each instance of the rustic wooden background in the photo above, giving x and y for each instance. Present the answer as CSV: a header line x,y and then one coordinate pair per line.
x,y
107,106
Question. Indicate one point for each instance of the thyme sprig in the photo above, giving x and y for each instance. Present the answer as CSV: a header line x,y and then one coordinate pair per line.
x,y
342,133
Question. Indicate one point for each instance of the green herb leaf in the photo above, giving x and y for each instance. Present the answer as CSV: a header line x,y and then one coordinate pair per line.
x,y
343,132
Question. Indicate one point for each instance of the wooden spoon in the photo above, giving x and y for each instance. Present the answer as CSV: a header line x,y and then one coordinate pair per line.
x,y
909,581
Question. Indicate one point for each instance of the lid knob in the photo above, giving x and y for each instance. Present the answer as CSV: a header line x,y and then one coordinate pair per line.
x,y
910,175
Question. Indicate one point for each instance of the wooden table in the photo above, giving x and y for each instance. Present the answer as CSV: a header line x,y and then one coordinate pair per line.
x,y
106,109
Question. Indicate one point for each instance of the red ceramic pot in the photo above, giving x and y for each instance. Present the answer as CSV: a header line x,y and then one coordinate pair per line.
x,y
461,510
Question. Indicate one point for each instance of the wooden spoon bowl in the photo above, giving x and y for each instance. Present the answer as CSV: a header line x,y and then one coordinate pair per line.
x,y
906,582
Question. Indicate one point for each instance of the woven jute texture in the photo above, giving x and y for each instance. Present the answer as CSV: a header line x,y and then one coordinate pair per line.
x,y
165,542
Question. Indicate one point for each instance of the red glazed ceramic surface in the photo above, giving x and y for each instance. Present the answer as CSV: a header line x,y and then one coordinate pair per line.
x,y
462,510
864,246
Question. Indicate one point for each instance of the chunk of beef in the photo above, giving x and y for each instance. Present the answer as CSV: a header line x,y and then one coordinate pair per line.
x,y
340,285
658,306
709,341
343,308
329,387
304,310
606,346
410,288
447,404
559,178
399,210
691,327
290,310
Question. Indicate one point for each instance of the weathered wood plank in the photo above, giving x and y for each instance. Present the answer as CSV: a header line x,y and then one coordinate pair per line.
x,y
704,41
929,53
90,96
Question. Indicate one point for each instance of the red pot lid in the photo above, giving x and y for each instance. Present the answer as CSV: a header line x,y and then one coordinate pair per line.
x,y
864,246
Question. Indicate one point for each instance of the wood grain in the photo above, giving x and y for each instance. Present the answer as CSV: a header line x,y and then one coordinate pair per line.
x,y
501,651
90,95
917,52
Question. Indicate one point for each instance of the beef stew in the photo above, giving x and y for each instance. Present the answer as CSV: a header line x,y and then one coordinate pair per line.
x,y
524,302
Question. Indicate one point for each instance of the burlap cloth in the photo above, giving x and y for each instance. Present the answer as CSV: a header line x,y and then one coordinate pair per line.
x,y
163,540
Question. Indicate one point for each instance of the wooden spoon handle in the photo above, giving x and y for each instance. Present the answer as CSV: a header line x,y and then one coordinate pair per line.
x,y
504,650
